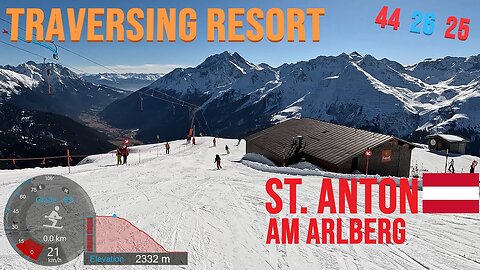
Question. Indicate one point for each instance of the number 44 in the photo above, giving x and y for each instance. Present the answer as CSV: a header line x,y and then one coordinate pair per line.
x,y
394,20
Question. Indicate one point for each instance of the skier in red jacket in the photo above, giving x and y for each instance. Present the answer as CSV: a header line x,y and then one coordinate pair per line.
x,y
124,154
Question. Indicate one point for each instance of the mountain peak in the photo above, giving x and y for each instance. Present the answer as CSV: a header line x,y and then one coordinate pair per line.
x,y
225,55
227,60
355,54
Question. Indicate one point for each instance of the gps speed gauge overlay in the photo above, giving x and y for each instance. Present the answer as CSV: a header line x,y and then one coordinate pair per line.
x,y
45,219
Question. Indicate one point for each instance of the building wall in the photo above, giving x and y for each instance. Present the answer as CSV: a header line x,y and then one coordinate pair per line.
x,y
399,164
458,147
322,163
253,148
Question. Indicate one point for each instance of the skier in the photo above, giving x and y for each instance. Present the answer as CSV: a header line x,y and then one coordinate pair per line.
x,y
119,155
193,140
217,160
167,148
227,149
451,168
472,167
214,142
124,154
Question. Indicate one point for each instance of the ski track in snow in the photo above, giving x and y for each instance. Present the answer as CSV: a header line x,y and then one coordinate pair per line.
x,y
219,216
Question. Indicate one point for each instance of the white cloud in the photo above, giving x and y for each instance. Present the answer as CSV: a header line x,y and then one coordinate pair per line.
x,y
145,68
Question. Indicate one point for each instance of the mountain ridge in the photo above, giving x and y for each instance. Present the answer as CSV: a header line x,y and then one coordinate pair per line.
x,y
238,97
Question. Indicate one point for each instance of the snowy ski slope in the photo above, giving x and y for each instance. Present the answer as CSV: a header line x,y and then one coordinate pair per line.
x,y
219,217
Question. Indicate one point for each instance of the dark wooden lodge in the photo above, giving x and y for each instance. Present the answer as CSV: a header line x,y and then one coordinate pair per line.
x,y
454,144
333,147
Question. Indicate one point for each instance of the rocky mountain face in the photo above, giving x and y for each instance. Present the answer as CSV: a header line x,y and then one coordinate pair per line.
x,y
125,81
38,134
237,97
53,88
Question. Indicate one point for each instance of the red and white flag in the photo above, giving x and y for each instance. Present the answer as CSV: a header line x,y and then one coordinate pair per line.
x,y
451,193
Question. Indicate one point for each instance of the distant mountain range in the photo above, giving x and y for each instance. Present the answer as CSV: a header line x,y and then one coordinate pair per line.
x,y
237,97
28,86
125,81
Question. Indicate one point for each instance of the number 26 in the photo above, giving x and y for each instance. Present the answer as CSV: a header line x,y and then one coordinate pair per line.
x,y
428,24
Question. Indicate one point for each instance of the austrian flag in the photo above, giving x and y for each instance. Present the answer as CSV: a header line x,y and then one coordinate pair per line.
x,y
451,193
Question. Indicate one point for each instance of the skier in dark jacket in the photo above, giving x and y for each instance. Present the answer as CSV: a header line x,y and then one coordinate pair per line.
x,y
167,148
214,142
218,160
451,167
227,149
472,167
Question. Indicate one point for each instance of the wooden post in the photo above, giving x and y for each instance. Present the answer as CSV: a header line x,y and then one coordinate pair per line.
x,y
366,167
446,161
68,160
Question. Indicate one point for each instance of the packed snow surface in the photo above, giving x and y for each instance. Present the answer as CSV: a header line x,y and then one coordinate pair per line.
x,y
219,216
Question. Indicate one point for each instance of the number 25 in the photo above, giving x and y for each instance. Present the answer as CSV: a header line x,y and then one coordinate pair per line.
x,y
463,28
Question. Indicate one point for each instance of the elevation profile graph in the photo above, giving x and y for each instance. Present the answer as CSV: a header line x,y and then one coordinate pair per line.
x,y
112,240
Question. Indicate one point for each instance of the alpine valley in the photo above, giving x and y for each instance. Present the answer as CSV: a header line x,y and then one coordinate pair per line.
x,y
36,121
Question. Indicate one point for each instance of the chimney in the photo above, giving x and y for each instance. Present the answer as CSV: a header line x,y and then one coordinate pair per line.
x,y
298,141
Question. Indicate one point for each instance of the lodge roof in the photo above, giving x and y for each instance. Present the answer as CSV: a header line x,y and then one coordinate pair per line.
x,y
449,138
327,141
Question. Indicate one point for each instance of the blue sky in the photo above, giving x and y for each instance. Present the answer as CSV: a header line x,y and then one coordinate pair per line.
x,y
347,26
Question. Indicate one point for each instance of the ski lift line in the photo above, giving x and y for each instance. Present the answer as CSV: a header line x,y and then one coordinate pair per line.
x,y
40,56
32,53
73,52
88,59
166,100
179,100
53,49
65,65
206,122
159,98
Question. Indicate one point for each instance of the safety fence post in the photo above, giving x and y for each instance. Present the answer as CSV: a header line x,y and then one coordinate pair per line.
x,y
68,160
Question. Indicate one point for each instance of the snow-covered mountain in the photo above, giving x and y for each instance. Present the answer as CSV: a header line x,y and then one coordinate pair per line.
x,y
237,97
126,81
26,133
28,86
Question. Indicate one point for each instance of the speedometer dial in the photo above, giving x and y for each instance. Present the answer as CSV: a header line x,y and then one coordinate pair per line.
x,y
45,219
